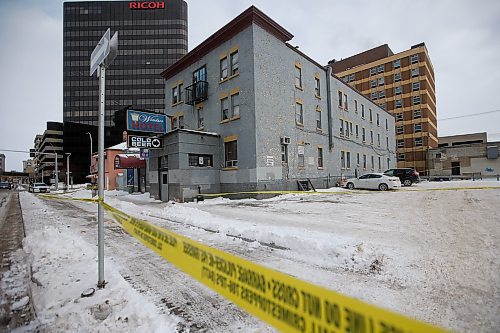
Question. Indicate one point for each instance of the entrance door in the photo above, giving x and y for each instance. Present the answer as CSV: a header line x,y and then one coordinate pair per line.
x,y
455,168
164,186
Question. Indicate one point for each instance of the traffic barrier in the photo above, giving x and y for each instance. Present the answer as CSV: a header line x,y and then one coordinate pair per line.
x,y
281,300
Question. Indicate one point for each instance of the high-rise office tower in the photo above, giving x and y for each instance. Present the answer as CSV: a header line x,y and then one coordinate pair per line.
x,y
152,35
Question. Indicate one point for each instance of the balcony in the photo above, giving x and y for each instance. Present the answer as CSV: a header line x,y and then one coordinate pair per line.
x,y
197,92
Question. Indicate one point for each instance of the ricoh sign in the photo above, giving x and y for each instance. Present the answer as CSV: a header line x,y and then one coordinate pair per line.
x,y
146,5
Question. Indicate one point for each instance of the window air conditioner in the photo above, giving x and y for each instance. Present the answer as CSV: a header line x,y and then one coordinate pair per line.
x,y
285,140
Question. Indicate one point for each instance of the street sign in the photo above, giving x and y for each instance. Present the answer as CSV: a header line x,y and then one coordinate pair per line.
x,y
144,142
100,52
146,122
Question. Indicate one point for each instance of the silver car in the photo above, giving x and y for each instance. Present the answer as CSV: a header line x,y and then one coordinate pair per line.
x,y
39,188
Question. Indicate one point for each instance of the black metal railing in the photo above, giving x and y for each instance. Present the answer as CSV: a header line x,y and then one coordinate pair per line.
x,y
197,92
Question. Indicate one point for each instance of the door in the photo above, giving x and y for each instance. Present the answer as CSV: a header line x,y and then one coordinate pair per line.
x,y
455,168
164,186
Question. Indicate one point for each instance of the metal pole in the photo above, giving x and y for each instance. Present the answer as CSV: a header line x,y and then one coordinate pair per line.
x,y
90,167
57,176
67,170
100,181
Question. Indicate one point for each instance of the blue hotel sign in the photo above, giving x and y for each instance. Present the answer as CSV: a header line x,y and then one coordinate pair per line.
x,y
146,122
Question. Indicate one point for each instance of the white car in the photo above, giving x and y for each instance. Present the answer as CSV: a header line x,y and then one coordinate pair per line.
x,y
39,188
373,181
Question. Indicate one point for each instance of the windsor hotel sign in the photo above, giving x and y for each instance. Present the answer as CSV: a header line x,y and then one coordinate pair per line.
x,y
146,5
146,122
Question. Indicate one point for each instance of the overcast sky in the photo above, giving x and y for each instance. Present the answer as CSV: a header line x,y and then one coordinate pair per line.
x,y
462,38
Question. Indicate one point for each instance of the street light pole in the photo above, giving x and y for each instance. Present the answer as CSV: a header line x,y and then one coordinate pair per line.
x,y
56,171
67,170
90,167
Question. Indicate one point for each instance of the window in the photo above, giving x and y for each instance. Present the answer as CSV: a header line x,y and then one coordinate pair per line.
x,y
363,134
224,108
373,70
438,155
345,79
346,132
398,90
416,100
318,117
340,99
373,162
380,69
300,153
371,137
378,139
381,81
355,106
224,71
341,127
197,160
396,63
373,83
401,143
317,87
320,157
175,95
414,72
379,163
373,95
382,106
299,114
417,128
362,111
386,125
200,118
177,122
357,158
399,129
415,86
348,159
231,153
298,77
401,157
352,77
364,161
387,142
350,128
397,77
346,107
342,159
371,116
235,67
388,163
399,116
381,94
417,114
399,103
414,59
378,119
357,130
418,142
284,153
235,105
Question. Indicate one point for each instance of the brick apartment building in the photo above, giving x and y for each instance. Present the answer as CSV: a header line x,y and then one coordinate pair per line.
x,y
404,85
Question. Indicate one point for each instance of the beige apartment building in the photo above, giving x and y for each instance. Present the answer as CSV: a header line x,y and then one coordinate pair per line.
x,y
404,85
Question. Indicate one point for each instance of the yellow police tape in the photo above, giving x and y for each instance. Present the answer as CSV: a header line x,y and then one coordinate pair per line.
x,y
346,191
281,300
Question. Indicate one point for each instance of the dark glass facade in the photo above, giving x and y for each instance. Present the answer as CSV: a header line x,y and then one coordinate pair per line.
x,y
152,35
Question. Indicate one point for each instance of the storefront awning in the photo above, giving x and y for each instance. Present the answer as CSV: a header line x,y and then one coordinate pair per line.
x,y
129,161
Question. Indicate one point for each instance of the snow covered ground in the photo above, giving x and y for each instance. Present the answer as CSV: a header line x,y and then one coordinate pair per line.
x,y
427,253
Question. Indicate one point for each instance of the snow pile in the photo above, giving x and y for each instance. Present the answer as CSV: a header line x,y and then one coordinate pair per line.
x,y
63,266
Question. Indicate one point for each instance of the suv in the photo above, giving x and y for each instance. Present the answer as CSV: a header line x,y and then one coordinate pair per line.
x,y
407,176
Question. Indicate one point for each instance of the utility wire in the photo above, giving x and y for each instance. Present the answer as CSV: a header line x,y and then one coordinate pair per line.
x,y
470,115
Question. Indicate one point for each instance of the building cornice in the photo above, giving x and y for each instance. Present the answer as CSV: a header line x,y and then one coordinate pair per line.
x,y
245,19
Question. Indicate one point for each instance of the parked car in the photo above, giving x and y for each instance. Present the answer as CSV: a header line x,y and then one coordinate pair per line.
x,y
5,185
373,181
407,176
39,188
